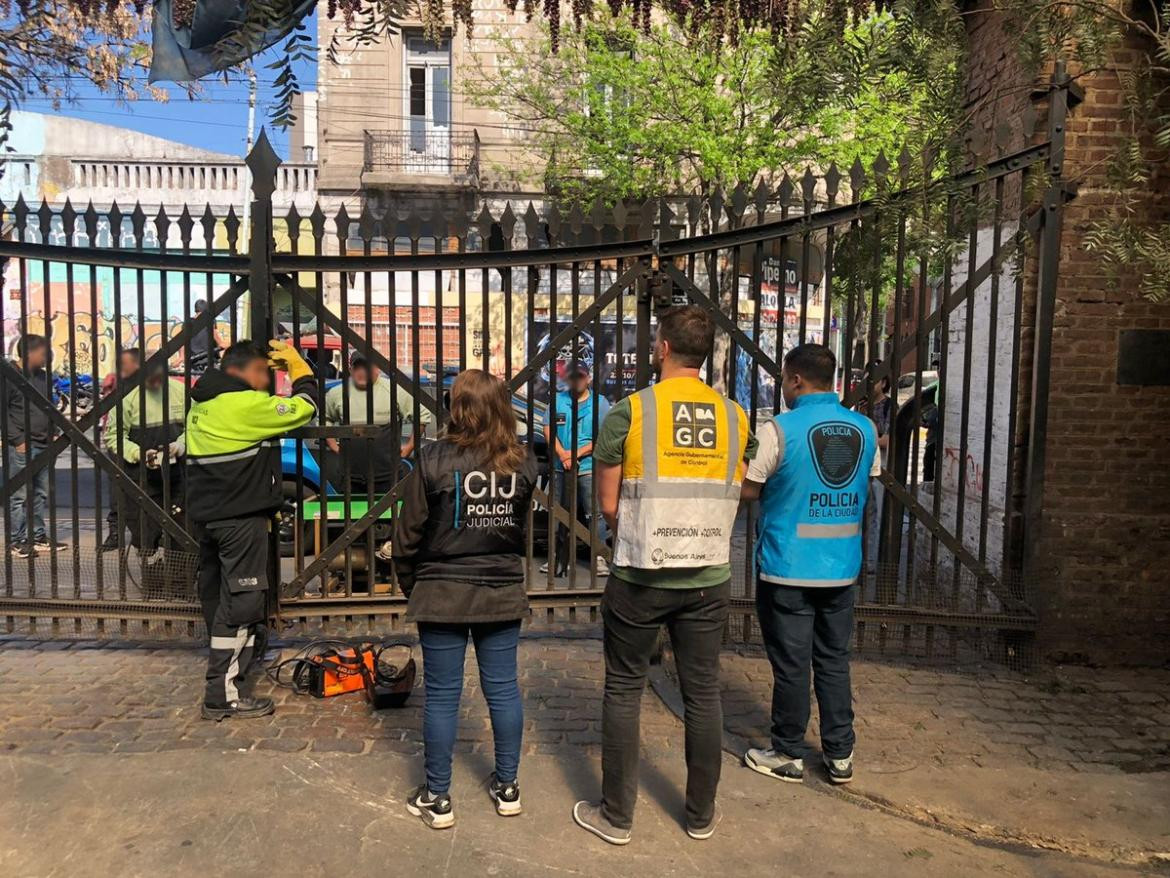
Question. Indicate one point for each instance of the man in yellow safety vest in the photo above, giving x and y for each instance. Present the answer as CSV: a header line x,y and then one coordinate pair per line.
x,y
670,461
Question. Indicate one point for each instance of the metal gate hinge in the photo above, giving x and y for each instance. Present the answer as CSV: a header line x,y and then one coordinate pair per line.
x,y
657,288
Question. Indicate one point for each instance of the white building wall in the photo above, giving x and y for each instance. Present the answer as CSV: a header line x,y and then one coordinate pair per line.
x,y
963,463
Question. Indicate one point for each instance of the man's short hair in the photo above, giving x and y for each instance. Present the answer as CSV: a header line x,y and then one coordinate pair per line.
x,y
814,363
690,332
30,342
242,353
200,306
131,352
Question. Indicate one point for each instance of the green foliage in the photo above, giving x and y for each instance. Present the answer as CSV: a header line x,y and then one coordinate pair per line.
x,y
1135,251
1087,35
619,112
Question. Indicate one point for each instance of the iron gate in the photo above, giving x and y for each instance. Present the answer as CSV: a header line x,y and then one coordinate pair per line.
x,y
939,284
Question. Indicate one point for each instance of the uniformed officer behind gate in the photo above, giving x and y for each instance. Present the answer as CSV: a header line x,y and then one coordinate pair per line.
x,y
814,465
233,453
669,469
145,427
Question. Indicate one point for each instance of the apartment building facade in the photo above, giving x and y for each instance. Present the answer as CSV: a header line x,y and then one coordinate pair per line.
x,y
395,120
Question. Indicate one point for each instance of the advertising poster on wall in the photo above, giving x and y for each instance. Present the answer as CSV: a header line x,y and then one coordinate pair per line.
x,y
615,357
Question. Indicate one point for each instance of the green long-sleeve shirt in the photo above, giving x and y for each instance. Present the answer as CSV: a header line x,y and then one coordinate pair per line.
x,y
128,415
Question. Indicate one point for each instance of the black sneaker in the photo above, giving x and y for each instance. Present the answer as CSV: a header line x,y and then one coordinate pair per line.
x,y
435,811
243,708
589,817
702,833
51,545
110,544
505,795
840,770
23,550
775,764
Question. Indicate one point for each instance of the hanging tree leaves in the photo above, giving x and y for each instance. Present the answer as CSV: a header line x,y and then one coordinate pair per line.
x,y
367,22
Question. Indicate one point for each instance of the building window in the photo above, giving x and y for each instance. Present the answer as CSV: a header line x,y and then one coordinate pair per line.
x,y
428,104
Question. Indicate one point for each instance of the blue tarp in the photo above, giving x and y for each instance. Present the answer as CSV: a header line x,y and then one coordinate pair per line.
x,y
184,54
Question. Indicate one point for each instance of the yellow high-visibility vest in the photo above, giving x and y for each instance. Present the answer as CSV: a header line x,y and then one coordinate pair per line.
x,y
681,476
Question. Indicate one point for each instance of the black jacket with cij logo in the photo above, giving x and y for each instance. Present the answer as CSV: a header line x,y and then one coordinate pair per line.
x,y
459,539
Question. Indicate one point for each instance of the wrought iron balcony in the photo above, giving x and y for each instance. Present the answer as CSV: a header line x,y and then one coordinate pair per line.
x,y
391,156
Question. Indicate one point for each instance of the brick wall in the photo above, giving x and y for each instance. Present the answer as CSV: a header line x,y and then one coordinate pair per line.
x,y
1102,581
428,337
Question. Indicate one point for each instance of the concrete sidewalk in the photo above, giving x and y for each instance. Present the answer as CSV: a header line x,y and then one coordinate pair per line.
x,y
107,769
233,814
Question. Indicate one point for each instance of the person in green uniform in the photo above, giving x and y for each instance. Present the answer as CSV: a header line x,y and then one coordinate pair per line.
x,y
369,398
144,428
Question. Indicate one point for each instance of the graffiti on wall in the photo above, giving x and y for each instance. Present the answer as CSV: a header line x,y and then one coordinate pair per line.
x,y
79,348
973,472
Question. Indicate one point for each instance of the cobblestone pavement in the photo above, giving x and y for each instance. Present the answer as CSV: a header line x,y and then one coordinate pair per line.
x,y
63,697
1087,720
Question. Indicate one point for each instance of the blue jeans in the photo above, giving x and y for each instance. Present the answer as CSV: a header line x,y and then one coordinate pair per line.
x,y
444,647
585,508
18,505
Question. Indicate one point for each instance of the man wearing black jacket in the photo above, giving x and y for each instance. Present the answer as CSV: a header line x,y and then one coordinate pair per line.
x,y
27,430
233,477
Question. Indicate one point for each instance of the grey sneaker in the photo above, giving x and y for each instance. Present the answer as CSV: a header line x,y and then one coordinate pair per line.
x,y
702,833
840,770
505,795
775,764
589,817
435,810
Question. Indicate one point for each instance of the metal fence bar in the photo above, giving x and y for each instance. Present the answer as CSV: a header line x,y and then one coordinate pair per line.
x,y
875,315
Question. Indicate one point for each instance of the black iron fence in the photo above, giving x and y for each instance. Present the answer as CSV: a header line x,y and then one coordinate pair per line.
x,y
933,288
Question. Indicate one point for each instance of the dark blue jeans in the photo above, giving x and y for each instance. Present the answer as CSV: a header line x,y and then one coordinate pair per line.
x,y
803,627
444,648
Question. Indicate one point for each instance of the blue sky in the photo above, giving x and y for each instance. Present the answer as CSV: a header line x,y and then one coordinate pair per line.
x,y
217,119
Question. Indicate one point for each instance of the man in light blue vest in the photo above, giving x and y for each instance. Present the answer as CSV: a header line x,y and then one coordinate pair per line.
x,y
811,474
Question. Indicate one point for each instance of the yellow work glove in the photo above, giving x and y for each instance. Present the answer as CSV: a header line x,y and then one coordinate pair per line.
x,y
286,358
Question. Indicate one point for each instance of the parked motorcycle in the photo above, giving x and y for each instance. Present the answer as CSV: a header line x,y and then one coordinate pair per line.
x,y
73,390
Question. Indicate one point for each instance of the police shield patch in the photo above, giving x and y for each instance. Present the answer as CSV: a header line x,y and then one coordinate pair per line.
x,y
836,448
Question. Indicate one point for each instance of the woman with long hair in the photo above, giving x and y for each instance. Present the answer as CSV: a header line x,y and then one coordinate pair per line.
x,y
459,549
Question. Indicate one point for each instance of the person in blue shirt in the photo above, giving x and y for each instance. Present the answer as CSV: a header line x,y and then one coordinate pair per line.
x,y
578,411
812,475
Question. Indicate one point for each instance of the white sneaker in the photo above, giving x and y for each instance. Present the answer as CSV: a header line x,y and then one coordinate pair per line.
x,y
544,569
435,811
775,764
840,770
602,566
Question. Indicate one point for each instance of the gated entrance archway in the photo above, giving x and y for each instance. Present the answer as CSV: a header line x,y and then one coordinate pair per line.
x,y
936,284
